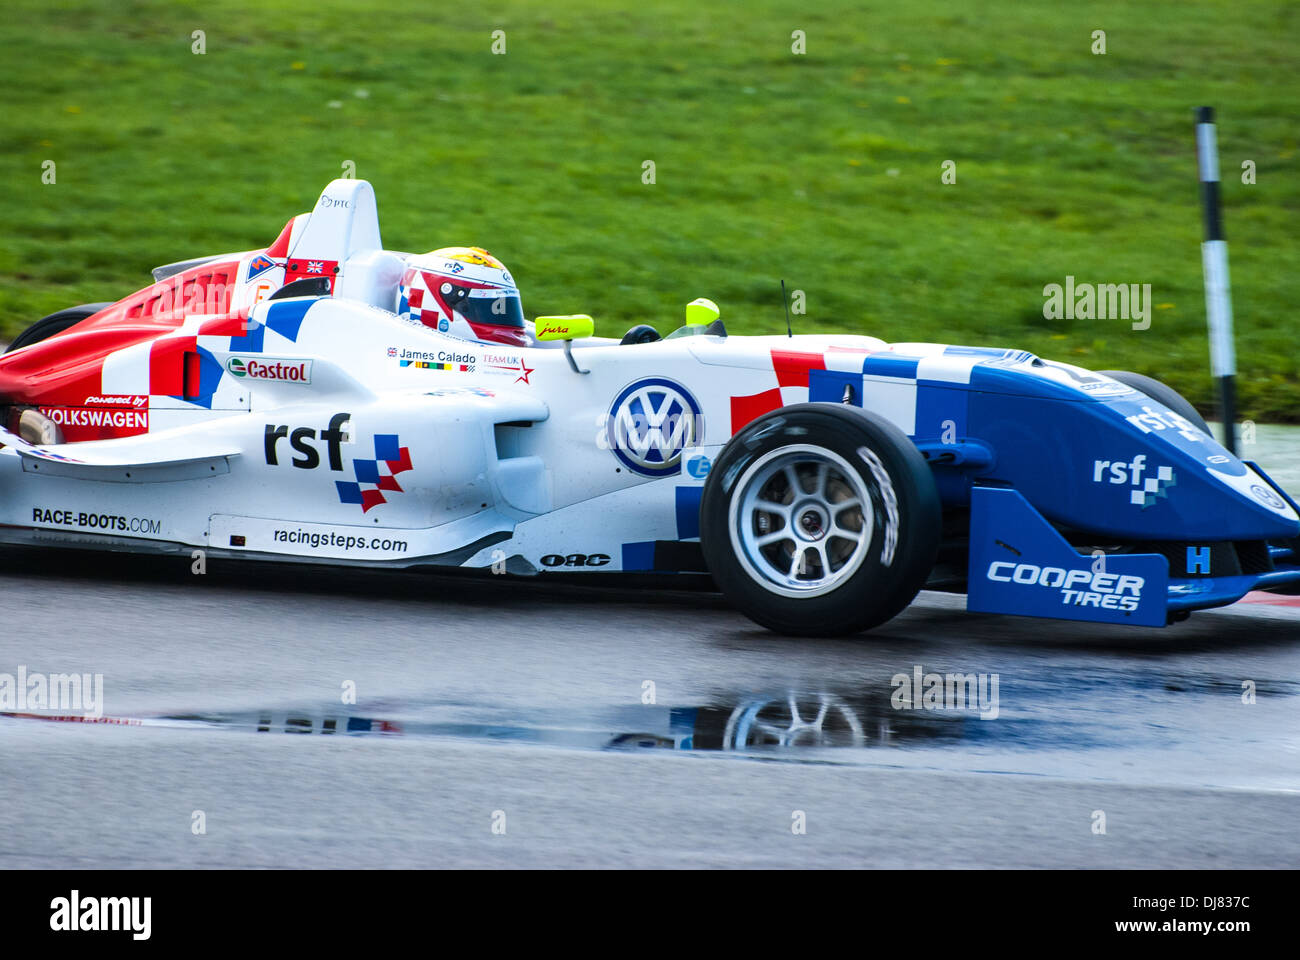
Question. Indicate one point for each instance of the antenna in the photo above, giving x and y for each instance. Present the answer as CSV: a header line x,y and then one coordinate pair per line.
x,y
784,300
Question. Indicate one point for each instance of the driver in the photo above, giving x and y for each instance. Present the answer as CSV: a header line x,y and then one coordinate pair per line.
x,y
465,292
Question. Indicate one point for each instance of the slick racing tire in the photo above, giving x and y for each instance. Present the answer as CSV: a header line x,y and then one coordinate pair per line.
x,y
47,327
1160,393
820,519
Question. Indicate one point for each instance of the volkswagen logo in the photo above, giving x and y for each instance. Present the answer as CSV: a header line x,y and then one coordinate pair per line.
x,y
650,423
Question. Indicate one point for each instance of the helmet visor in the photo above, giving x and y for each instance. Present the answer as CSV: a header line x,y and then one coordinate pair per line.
x,y
494,306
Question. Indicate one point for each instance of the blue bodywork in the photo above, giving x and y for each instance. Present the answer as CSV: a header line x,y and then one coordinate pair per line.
x,y
1088,500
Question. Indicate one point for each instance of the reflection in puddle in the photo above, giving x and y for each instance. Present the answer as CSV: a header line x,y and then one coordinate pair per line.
x,y
761,723
1070,711
777,722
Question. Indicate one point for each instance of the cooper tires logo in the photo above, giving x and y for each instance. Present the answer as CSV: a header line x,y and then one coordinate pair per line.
x,y
651,423
1080,588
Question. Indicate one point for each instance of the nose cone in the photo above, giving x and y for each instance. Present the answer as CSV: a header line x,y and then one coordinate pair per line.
x,y
1257,491
1212,494
1129,468
1227,490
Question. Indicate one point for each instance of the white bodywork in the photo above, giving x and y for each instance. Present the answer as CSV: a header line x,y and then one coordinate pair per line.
x,y
509,449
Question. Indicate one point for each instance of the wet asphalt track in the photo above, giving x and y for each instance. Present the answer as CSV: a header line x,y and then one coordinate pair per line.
x,y
475,697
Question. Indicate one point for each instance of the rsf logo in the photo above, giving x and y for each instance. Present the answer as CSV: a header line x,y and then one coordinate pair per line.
x,y
1153,421
308,456
1148,488
651,423
373,477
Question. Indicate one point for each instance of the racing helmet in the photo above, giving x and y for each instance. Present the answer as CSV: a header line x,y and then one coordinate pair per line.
x,y
465,292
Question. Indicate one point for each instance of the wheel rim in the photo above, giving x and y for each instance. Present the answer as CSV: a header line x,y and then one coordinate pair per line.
x,y
801,521
820,721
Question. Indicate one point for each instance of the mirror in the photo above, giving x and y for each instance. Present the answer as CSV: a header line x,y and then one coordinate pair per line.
x,y
573,327
701,312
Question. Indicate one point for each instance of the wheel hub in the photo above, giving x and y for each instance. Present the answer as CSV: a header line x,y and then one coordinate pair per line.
x,y
813,521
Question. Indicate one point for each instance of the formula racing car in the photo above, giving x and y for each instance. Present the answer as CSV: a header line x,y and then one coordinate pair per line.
x,y
324,400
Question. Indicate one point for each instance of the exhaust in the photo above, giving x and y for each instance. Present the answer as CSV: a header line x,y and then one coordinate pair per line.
x,y
36,428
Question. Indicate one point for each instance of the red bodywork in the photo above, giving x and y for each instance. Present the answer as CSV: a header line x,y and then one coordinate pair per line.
x,y
63,375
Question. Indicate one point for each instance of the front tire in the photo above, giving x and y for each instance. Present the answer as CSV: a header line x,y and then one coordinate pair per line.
x,y
820,519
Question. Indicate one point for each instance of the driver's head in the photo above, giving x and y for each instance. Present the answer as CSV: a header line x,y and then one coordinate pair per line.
x,y
465,292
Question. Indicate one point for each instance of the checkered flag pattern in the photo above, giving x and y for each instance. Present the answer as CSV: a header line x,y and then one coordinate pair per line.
x,y
377,476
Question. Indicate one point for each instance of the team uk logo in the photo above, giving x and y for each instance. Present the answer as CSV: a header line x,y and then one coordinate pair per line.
x,y
376,477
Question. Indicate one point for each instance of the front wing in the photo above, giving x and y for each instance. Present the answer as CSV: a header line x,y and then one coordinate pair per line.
x,y
1020,564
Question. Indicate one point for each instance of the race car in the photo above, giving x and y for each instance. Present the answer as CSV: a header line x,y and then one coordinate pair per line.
x,y
324,400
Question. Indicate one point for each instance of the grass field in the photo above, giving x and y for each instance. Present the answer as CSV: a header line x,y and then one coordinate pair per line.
x,y
822,168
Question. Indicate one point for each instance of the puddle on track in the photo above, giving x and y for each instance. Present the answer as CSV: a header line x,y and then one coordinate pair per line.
x,y
1101,724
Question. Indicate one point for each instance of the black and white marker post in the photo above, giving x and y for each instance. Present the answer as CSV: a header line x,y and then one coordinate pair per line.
x,y
1218,293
